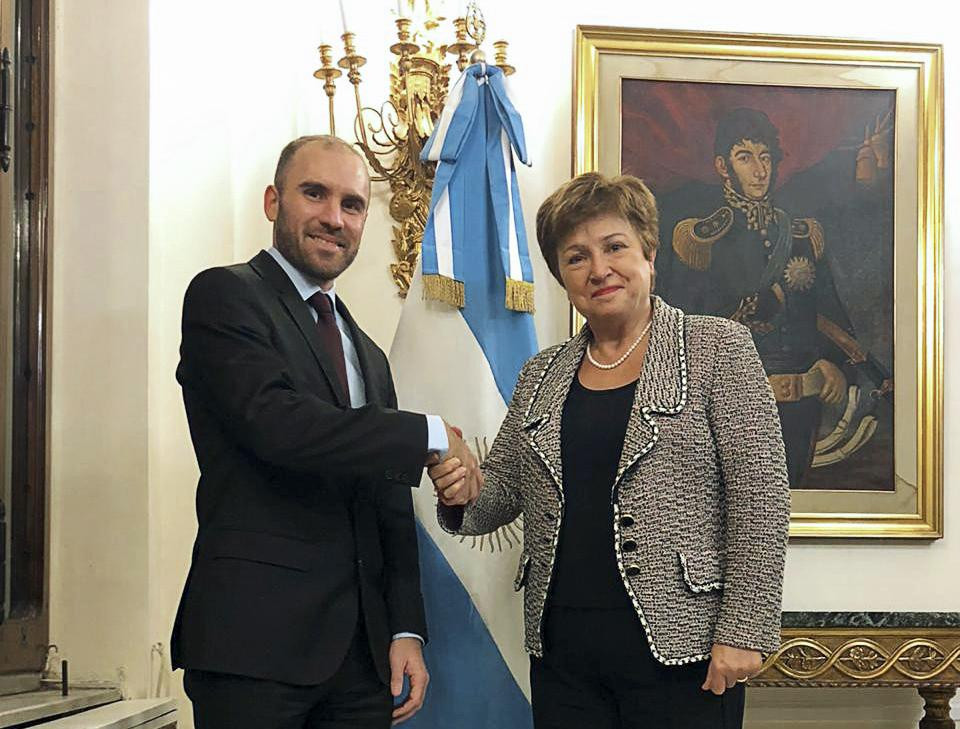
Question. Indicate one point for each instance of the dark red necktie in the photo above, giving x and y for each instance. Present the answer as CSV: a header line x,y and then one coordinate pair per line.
x,y
330,334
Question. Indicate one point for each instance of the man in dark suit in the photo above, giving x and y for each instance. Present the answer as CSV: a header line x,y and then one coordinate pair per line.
x,y
302,608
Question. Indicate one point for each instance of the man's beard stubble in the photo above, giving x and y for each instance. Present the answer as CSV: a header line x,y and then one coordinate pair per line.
x,y
288,242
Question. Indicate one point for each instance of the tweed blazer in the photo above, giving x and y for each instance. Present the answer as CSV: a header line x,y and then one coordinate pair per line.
x,y
701,500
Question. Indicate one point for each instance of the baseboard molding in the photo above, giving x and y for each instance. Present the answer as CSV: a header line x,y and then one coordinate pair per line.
x,y
131,714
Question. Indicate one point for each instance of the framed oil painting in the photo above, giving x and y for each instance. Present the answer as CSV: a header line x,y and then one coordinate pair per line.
x,y
799,185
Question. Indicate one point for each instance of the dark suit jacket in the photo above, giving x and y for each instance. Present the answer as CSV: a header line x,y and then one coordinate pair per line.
x,y
304,506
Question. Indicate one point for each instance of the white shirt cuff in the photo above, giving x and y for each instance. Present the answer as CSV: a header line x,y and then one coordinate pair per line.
x,y
437,441
408,635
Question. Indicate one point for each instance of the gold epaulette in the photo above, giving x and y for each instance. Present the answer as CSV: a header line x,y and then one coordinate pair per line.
x,y
809,228
693,238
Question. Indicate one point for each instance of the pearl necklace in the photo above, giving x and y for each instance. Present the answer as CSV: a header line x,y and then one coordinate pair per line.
x,y
625,354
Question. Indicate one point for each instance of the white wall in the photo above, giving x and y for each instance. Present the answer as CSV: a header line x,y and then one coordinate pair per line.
x,y
198,106
98,340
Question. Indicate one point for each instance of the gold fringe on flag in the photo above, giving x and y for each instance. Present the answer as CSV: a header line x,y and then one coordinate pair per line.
x,y
519,295
442,288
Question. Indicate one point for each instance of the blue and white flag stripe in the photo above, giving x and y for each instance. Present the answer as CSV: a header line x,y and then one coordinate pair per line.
x,y
444,232
513,266
462,363
478,116
431,150
478,666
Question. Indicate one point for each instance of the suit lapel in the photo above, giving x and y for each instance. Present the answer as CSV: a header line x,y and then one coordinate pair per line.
x,y
269,270
662,388
544,415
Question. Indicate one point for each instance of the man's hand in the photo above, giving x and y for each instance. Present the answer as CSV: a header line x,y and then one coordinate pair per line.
x,y
454,484
834,382
406,659
729,665
458,478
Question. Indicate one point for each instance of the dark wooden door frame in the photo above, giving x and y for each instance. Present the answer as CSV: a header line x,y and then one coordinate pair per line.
x,y
24,632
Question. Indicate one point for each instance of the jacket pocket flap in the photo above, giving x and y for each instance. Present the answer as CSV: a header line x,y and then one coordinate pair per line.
x,y
522,570
702,570
260,547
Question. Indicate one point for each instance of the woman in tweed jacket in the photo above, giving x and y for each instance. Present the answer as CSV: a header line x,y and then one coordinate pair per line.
x,y
646,458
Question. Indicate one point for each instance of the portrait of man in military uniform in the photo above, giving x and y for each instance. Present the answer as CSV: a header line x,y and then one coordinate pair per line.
x,y
757,264
742,249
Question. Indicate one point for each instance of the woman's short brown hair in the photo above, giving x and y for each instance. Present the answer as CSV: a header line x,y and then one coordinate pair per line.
x,y
589,196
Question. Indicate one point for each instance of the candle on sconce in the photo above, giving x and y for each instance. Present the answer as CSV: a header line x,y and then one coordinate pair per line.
x,y
399,8
343,17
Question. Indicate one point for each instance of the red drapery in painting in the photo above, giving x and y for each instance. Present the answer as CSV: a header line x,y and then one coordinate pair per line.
x,y
668,126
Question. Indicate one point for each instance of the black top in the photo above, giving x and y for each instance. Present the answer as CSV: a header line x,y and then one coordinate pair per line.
x,y
594,423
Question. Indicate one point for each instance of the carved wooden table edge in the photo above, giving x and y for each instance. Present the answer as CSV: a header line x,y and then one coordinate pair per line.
x,y
829,655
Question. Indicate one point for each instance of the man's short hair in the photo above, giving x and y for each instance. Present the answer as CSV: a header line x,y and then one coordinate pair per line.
x,y
589,196
327,141
746,124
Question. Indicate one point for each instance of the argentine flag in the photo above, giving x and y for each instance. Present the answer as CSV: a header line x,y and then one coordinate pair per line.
x,y
462,362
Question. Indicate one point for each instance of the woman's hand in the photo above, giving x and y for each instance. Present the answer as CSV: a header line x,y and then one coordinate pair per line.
x,y
455,484
729,665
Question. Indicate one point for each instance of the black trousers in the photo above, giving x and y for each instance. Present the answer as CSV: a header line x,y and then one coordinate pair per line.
x,y
597,671
353,698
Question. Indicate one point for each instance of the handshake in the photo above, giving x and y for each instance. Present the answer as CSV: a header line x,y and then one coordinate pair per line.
x,y
457,479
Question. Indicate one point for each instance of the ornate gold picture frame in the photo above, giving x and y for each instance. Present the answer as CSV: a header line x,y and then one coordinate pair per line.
x,y
855,189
